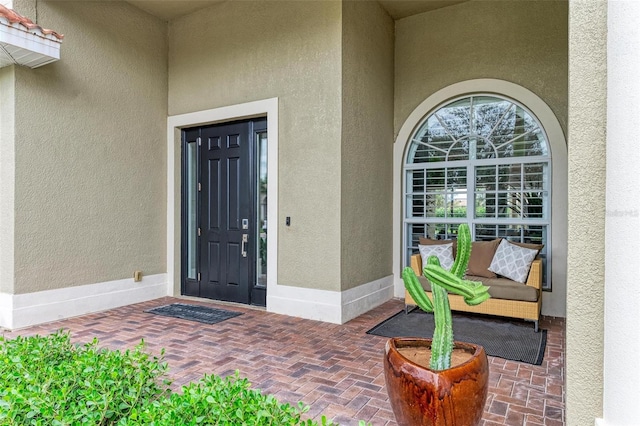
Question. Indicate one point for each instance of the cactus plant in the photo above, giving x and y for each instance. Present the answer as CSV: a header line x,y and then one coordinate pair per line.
x,y
442,282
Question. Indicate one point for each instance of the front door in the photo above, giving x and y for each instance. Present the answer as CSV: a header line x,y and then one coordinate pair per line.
x,y
221,227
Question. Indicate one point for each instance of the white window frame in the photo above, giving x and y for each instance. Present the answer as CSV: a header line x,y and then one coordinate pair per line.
x,y
553,302
470,165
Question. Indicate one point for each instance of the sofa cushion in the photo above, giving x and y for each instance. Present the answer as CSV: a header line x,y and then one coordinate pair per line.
x,y
481,255
444,253
499,288
512,261
429,242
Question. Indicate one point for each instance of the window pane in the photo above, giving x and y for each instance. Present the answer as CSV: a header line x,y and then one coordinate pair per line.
x,y
519,135
191,188
509,205
437,193
485,195
432,231
521,191
485,204
488,113
416,181
435,180
261,266
459,151
456,118
456,193
431,143
415,205
531,234
509,177
484,149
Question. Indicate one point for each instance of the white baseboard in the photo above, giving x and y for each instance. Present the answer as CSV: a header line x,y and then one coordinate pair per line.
x,y
24,310
329,306
363,298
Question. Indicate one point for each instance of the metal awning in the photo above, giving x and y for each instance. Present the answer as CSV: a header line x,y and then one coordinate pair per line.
x,y
24,43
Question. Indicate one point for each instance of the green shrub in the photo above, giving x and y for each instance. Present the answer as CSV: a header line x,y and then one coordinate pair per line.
x,y
50,381
223,402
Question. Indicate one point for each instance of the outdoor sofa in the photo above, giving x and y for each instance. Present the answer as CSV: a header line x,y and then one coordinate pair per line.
x,y
508,298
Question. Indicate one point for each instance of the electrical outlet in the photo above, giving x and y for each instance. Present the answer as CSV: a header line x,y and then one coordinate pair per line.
x,y
137,276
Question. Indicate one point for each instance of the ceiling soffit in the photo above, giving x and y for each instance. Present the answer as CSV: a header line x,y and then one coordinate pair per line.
x,y
24,43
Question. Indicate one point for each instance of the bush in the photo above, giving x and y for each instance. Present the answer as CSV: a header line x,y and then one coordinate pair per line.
x,y
217,401
50,381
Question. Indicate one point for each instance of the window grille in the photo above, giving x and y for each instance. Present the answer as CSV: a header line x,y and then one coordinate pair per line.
x,y
482,160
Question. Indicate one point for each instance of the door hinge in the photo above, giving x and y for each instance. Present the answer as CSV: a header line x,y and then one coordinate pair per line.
x,y
198,276
199,141
199,232
199,187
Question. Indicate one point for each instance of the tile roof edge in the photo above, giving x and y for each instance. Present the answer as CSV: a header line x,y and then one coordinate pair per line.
x,y
14,17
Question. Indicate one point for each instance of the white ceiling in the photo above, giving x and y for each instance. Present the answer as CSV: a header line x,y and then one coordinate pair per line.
x,y
170,9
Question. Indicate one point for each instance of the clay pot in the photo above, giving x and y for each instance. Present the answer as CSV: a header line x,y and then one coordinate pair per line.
x,y
421,396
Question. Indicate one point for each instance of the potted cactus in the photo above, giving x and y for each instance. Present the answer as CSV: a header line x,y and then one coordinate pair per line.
x,y
436,391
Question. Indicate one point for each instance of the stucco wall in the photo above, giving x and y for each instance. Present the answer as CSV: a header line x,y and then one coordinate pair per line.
x,y
7,154
587,178
90,137
524,42
237,52
367,142
520,42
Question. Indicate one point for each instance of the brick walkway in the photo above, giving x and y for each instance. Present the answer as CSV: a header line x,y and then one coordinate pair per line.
x,y
336,369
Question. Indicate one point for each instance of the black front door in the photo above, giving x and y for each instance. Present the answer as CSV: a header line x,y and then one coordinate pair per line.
x,y
219,210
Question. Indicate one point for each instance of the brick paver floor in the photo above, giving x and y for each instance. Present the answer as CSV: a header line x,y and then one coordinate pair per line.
x,y
335,369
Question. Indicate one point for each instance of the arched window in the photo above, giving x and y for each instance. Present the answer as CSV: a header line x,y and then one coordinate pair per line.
x,y
482,160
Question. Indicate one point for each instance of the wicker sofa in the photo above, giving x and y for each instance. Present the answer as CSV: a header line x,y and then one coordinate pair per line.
x,y
508,298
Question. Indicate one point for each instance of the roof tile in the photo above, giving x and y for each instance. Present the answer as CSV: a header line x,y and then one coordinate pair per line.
x,y
13,17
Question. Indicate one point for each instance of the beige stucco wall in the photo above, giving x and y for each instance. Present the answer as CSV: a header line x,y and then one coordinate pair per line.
x,y
367,142
7,187
90,134
522,42
237,52
587,178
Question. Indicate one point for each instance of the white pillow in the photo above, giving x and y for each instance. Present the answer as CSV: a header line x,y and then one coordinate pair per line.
x,y
512,261
444,253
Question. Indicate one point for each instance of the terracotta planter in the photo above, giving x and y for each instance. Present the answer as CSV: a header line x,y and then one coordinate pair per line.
x,y
420,396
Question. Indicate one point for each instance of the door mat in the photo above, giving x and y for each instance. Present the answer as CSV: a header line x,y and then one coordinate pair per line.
x,y
503,338
194,313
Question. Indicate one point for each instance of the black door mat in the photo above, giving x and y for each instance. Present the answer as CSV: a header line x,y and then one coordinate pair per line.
x,y
503,338
194,313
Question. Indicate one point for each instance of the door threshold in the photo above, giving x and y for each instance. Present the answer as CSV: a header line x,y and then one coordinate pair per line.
x,y
221,302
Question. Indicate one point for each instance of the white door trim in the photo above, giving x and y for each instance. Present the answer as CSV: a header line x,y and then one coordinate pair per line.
x,y
211,116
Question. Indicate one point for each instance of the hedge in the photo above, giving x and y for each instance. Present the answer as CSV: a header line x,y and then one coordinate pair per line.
x,y
51,381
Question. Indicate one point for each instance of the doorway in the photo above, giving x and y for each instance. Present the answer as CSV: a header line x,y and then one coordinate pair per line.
x,y
224,205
